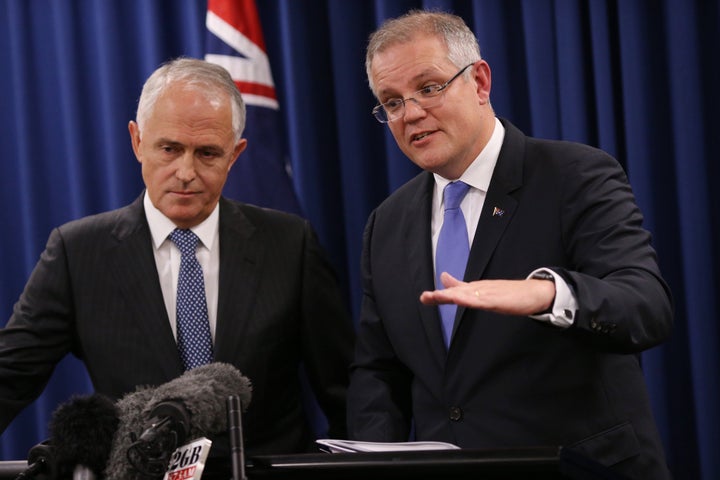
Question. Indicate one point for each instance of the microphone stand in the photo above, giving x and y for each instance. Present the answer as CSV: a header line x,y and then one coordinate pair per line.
x,y
235,431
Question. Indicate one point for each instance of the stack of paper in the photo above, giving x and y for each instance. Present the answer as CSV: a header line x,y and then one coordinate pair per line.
x,y
347,446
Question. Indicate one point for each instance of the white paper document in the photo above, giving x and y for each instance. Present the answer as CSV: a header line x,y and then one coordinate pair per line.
x,y
348,446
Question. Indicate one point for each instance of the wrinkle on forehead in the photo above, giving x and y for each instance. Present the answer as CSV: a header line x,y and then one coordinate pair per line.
x,y
410,63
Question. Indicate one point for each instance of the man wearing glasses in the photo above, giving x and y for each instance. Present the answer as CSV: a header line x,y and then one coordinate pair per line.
x,y
510,287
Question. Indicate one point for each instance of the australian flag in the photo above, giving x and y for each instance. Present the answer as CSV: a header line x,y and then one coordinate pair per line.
x,y
234,40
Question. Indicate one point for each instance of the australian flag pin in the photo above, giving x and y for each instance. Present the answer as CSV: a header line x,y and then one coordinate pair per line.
x,y
498,212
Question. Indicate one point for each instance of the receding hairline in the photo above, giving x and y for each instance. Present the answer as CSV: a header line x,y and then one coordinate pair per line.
x,y
211,80
451,30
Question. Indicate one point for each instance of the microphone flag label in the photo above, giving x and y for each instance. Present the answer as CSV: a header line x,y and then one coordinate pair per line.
x,y
234,40
188,461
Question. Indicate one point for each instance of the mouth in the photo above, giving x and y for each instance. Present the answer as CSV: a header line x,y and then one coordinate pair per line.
x,y
420,136
184,193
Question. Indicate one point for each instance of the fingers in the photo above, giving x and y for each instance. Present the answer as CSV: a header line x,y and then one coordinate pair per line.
x,y
428,298
451,293
437,297
449,281
510,297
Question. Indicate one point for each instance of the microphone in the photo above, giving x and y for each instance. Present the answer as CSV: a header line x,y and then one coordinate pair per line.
x,y
155,421
81,435
41,462
169,427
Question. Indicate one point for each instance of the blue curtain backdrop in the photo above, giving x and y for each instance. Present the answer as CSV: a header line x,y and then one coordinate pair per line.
x,y
636,78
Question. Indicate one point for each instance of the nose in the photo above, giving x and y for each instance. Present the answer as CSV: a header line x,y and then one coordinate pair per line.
x,y
185,171
413,110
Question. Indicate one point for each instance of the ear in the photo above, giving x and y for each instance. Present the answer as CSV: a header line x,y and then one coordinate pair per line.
x,y
483,78
135,139
239,148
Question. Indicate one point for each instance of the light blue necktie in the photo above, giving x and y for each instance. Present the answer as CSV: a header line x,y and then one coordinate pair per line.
x,y
452,249
193,328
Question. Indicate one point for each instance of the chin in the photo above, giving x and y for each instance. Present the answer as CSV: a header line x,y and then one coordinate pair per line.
x,y
430,164
184,219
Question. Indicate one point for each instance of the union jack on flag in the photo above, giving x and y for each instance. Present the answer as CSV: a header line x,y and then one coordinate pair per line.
x,y
234,40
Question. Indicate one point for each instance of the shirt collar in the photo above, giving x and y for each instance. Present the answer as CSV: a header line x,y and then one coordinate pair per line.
x,y
161,226
479,173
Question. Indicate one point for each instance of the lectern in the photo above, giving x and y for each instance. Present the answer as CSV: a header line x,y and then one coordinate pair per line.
x,y
540,463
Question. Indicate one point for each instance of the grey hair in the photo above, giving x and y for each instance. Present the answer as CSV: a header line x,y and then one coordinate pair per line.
x,y
461,43
211,79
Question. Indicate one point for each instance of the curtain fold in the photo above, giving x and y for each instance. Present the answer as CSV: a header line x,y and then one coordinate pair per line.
x,y
700,278
637,78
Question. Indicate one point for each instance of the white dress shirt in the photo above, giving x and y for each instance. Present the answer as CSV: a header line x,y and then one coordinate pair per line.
x,y
167,259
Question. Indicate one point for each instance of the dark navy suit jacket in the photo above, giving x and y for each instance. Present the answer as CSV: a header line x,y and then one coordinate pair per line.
x,y
515,381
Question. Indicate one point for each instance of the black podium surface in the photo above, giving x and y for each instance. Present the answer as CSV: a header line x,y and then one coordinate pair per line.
x,y
541,463
535,463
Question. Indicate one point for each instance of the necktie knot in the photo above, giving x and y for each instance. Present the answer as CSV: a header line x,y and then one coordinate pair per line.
x,y
185,240
453,194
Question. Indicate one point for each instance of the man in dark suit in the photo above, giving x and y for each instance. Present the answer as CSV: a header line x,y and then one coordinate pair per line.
x,y
561,289
104,288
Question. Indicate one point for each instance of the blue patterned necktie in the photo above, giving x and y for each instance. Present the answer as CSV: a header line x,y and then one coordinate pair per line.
x,y
452,249
193,328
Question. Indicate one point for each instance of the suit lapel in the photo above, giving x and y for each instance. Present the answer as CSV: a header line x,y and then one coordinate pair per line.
x,y
420,261
240,258
498,209
133,264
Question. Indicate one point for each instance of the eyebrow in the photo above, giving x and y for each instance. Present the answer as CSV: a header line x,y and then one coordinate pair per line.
x,y
163,141
167,141
428,72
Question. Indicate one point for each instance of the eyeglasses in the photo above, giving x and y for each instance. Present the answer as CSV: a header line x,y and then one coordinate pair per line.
x,y
427,97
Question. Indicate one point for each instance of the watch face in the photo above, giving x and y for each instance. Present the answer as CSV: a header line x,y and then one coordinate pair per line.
x,y
543,276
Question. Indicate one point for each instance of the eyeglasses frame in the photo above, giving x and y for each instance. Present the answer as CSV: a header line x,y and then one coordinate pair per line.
x,y
441,88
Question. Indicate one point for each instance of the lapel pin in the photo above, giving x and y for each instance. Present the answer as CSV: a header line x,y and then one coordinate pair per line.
x,y
498,212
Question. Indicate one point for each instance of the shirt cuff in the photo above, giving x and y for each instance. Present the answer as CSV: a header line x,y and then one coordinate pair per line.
x,y
565,306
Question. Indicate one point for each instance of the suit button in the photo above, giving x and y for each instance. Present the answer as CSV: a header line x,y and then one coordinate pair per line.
x,y
456,414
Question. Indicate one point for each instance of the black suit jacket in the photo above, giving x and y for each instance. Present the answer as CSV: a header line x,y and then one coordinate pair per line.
x,y
515,381
95,292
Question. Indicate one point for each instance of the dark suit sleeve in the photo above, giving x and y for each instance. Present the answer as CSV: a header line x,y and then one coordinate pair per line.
x,y
328,335
39,333
624,304
379,405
